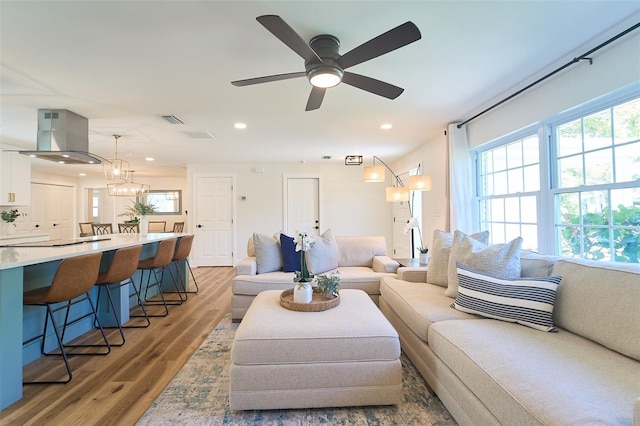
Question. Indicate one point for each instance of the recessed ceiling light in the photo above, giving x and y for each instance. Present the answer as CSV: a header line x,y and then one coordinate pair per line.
x,y
149,158
386,126
82,174
240,126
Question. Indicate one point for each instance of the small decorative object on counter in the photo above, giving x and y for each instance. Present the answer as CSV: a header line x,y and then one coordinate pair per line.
x,y
9,217
329,285
141,207
302,292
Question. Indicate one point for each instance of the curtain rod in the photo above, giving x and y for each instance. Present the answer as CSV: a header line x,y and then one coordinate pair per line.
x,y
582,57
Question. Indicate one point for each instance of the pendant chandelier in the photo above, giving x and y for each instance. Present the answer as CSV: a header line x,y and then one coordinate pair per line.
x,y
128,188
116,168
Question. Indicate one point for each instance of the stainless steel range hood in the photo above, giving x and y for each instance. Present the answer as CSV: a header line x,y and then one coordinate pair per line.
x,y
63,137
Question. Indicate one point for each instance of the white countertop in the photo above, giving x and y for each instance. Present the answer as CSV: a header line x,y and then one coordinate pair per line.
x,y
12,257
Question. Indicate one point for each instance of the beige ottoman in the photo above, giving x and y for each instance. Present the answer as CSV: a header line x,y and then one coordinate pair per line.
x,y
345,356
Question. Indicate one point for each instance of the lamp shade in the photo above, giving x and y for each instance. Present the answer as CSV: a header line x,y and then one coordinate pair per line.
x,y
374,174
397,193
420,183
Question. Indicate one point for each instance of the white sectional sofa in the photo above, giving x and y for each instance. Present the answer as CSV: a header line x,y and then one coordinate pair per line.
x,y
361,261
491,372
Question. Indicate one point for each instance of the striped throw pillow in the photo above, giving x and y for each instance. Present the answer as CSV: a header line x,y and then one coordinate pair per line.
x,y
528,301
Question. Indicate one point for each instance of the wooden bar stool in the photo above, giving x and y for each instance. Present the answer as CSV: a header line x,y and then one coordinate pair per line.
x,y
123,266
73,279
182,252
178,227
160,261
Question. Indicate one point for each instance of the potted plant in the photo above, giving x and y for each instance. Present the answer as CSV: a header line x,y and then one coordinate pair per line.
x,y
328,285
302,292
424,255
9,217
141,207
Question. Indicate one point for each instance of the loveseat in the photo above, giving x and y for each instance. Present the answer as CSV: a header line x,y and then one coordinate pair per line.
x,y
585,370
360,260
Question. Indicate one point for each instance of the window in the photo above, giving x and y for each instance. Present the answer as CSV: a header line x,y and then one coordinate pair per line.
x,y
578,195
509,190
597,191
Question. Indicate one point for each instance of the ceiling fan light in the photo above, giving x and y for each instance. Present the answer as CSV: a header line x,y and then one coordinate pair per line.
x,y
325,76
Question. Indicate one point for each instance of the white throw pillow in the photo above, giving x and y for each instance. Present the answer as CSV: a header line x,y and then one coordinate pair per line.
x,y
323,256
440,250
268,253
499,260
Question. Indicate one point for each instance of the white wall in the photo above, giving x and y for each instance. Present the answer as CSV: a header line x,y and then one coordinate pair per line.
x,y
350,206
614,67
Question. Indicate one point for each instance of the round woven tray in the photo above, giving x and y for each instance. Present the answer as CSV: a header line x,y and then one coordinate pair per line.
x,y
318,302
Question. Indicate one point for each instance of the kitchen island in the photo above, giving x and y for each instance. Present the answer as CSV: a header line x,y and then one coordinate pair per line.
x,y
25,267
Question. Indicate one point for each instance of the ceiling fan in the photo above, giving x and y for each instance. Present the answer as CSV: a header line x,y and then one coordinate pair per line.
x,y
325,67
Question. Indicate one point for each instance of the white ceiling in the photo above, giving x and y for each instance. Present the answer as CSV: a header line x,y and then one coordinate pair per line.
x,y
124,64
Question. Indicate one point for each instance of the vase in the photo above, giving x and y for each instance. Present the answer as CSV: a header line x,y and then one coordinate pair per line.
x,y
302,293
144,226
328,294
9,228
424,258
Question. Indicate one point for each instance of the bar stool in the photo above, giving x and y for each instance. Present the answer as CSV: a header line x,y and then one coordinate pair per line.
x,y
123,266
160,261
101,228
182,252
73,279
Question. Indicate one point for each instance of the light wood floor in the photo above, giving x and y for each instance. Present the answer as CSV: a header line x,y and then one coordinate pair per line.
x,y
118,388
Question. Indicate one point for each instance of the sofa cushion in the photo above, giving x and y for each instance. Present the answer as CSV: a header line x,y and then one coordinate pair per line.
x,y
290,257
323,256
440,252
268,253
419,305
360,251
534,264
500,260
600,301
527,377
527,301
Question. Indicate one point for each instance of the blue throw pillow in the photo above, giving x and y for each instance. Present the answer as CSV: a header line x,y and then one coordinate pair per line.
x,y
290,257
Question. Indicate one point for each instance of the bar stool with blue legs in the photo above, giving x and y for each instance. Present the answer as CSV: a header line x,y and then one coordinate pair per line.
x,y
123,266
159,262
182,252
72,280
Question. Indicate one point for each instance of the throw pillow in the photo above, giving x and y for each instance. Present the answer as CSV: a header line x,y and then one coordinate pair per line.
x,y
501,260
440,251
527,301
323,256
290,257
268,253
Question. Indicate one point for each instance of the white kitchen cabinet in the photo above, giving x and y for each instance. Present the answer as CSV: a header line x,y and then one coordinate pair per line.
x,y
15,179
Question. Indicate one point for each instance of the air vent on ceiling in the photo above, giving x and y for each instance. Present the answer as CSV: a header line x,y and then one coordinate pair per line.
x,y
199,135
326,157
172,119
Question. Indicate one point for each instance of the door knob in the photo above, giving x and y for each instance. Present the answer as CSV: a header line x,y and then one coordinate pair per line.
x,y
37,226
199,226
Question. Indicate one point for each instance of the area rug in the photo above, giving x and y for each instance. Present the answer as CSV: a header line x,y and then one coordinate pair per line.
x,y
198,395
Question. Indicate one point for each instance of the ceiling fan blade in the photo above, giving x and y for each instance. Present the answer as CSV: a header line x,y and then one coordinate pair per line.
x,y
268,79
288,36
384,43
372,85
315,98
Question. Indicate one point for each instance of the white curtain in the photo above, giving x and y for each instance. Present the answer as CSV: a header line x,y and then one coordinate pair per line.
x,y
460,184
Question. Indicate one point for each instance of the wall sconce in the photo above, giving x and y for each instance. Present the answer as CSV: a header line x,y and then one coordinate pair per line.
x,y
353,160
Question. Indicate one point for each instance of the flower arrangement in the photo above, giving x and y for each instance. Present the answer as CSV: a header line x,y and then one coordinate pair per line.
x,y
10,216
304,241
423,249
140,207
328,284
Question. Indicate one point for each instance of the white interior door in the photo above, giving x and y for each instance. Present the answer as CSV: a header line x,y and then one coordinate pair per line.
x,y
401,241
213,243
302,204
51,211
